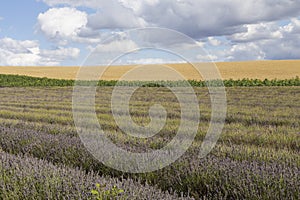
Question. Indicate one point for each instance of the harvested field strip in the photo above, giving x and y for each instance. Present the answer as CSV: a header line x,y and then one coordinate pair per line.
x,y
275,139
45,128
138,112
66,118
238,151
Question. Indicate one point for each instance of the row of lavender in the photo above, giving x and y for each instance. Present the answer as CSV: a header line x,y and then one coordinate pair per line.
x,y
212,177
29,178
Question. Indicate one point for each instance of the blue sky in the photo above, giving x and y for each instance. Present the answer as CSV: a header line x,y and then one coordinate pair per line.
x,y
19,18
65,32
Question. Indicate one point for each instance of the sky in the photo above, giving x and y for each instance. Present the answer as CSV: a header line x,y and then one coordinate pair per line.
x,y
67,32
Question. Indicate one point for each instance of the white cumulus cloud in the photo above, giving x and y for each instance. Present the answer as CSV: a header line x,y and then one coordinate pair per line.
x,y
149,61
16,46
258,32
62,23
122,45
266,41
249,29
195,18
113,15
28,53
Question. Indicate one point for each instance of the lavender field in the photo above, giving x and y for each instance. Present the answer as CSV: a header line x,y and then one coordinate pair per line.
x,y
257,156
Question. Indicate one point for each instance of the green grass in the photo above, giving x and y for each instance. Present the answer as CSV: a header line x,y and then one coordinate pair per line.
x,y
27,81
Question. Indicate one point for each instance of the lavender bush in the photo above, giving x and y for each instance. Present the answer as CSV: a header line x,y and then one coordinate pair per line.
x,y
30,178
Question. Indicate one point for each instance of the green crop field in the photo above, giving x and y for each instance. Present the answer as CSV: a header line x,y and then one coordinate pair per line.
x,y
256,157
27,81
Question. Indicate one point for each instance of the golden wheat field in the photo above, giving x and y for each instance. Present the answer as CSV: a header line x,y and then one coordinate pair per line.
x,y
236,70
